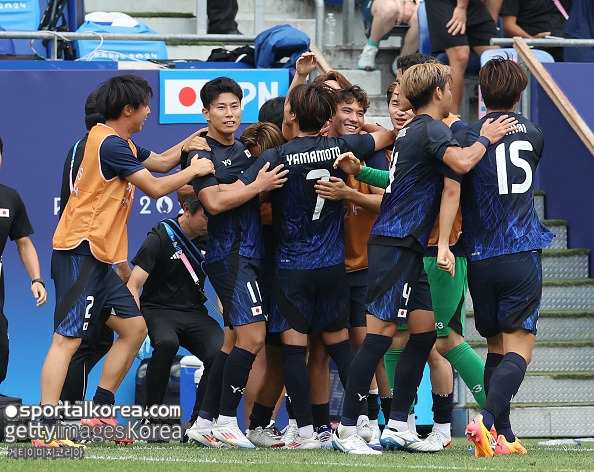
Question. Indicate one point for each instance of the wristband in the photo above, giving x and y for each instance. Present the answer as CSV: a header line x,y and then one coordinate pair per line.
x,y
39,280
484,141
374,177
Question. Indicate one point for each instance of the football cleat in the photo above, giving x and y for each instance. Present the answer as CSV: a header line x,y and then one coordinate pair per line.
x,y
325,436
290,432
305,443
406,441
204,437
353,444
480,436
503,447
438,440
264,437
231,434
94,422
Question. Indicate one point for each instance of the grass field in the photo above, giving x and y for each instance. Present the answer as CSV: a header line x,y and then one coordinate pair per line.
x,y
183,457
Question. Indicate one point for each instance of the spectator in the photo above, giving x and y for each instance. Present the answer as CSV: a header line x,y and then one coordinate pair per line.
x,y
534,19
383,15
221,16
580,25
456,26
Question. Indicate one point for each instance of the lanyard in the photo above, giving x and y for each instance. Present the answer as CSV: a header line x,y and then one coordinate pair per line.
x,y
561,9
71,182
172,226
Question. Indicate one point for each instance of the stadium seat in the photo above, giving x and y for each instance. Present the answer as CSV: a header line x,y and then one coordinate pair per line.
x,y
511,53
114,50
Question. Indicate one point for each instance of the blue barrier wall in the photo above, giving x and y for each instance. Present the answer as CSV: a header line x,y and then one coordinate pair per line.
x,y
42,117
566,171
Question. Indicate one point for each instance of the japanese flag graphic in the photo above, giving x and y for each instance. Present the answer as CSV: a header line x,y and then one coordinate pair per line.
x,y
256,310
182,96
4,213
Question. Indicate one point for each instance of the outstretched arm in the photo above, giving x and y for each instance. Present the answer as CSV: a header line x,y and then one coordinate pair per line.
x,y
462,160
156,187
165,161
219,198
30,261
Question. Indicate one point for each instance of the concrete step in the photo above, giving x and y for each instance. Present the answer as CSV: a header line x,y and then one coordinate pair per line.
x,y
565,263
559,227
562,295
169,24
192,52
180,6
544,387
574,356
555,421
552,326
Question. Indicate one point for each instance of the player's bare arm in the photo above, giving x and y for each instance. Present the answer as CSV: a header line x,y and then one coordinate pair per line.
x,y
157,187
450,202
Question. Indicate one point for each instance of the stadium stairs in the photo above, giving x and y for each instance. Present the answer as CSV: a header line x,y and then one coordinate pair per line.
x,y
557,396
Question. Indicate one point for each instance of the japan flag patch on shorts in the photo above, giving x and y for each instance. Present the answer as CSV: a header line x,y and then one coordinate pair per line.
x,y
256,310
402,313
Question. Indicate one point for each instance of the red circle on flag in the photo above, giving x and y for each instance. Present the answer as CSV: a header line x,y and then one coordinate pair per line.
x,y
187,96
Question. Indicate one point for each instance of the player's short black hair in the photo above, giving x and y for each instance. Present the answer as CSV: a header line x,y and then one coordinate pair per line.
x,y
119,91
502,81
92,116
213,88
409,60
271,111
313,104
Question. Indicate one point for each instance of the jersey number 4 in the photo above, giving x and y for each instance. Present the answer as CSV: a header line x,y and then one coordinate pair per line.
x,y
514,156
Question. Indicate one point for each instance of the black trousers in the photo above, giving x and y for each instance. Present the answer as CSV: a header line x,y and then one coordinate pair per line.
x,y
168,330
221,16
3,346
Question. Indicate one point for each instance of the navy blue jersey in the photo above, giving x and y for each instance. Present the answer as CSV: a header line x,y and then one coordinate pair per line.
x,y
238,229
307,228
411,202
498,215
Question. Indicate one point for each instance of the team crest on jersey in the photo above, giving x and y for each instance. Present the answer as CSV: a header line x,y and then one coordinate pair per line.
x,y
402,133
402,313
256,310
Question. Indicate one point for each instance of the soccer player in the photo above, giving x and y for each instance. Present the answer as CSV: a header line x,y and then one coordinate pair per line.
x,y
92,235
504,238
361,206
424,152
312,292
447,296
233,255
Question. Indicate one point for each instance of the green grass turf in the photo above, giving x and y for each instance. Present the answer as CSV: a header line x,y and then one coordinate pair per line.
x,y
183,457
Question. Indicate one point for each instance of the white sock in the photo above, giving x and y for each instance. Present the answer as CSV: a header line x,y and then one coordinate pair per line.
x,y
443,428
400,426
306,431
374,391
361,419
412,423
225,420
202,423
346,431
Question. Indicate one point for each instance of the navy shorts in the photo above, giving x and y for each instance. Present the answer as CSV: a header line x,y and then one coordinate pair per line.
x,y
480,27
358,288
235,280
397,283
506,292
84,286
313,300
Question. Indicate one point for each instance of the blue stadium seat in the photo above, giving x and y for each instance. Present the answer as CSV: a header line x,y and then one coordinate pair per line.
x,y
115,50
511,53
21,15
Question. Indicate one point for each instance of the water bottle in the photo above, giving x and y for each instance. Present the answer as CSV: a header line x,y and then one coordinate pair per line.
x,y
330,30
